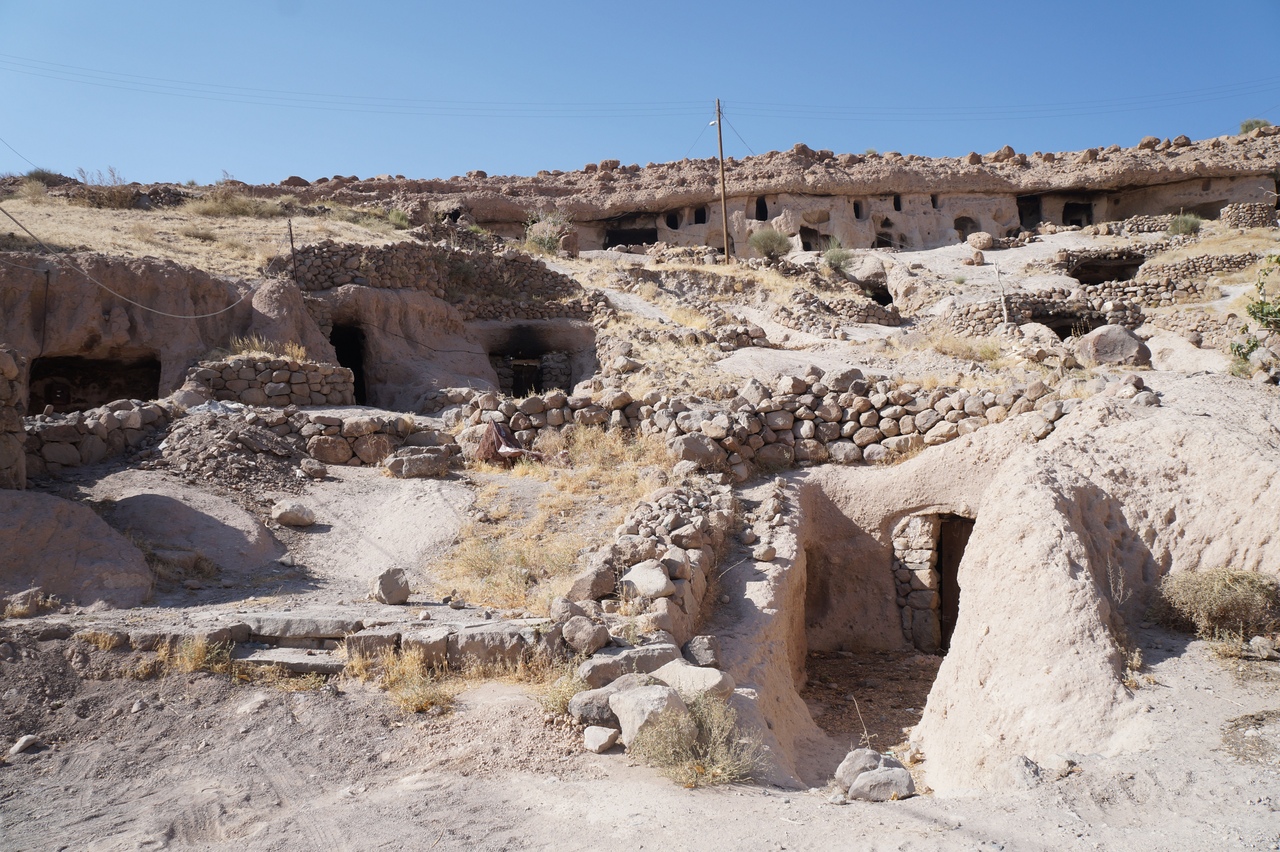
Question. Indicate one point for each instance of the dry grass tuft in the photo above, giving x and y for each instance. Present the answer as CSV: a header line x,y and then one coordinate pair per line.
x,y
555,695
1221,604
257,345
980,349
415,687
720,753
103,640
105,192
196,655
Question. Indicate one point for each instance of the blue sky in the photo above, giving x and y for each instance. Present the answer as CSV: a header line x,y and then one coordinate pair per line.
x,y
178,90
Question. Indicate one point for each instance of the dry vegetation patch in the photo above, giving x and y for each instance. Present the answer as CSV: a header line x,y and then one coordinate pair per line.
x,y
719,753
1223,604
533,522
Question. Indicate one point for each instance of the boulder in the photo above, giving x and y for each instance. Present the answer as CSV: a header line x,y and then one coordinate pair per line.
x,y
390,587
699,449
642,708
598,740
591,706
329,449
882,785
703,651
648,579
1112,345
690,680
584,636
609,664
291,513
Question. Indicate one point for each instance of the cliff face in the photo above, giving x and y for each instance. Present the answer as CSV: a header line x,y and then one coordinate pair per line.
x,y
851,197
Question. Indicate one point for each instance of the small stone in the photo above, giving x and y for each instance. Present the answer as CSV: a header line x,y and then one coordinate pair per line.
x,y
457,603
138,706
24,742
599,740
764,553
314,469
292,514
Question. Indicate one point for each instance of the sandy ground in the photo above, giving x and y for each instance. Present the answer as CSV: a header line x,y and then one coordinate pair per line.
x,y
195,762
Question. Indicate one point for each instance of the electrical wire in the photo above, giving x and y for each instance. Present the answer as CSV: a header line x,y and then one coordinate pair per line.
x,y
736,133
19,153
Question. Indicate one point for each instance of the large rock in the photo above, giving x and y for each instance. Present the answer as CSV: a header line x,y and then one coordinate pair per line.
x,y
691,681
291,513
612,663
1112,346
69,552
390,587
699,449
647,580
329,449
591,706
640,709
584,636
882,785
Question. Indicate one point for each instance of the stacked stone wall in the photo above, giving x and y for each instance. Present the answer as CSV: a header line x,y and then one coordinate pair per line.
x,y
275,382
1256,215
1204,329
915,573
480,283
1200,267
978,319
13,463
58,441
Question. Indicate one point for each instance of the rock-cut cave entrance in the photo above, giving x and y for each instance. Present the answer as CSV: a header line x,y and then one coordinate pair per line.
x,y
349,344
530,360
953,537
73,383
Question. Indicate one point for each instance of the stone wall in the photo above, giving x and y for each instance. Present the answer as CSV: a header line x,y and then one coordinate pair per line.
x,y
915,563
824,317
1201,327
482,284
276,382
13,463
57,441
1257,215
978,319
1200,267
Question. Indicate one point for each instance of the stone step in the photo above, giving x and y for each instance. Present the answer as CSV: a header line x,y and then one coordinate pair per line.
x,y
295,660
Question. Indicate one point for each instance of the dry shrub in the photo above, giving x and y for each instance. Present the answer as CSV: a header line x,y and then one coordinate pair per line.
x,y
107,192
415,687
257,345
1220,604
103,640
33,191
196,655
719,754
279,678
980,349
556,694
225,200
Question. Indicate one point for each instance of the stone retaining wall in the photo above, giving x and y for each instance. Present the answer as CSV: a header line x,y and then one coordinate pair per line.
x,y
1201,267
978,319
1201,327
482,284
824,317
57,441
1248,216
275,382
13,463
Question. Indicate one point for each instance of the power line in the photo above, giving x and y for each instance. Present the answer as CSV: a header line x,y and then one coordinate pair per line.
x,y
19,153
739,135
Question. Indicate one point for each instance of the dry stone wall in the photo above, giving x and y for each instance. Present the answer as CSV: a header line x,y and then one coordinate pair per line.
x,y
58,441
1257,215
979,319
1200,267
915,564
480,283
1201,327
13,464
275,382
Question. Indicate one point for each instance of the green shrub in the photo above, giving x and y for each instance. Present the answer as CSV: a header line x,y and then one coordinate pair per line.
x,y
1251,124
770,243
719,754
44,176
836,257
543,230
1185,224
1221,604
398,219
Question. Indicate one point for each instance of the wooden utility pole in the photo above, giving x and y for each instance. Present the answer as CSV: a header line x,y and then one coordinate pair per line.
x,y
724,204
293,256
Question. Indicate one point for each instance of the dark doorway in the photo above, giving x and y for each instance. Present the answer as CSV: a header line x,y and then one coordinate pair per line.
x,y
762,209
526,376
1029,214
1071,325
884,239
897,203
879,294
858,214
1078,213
700,216
1100,270
933,201
630,237
953,536
348,343
810,240
673,221
77,384
965,227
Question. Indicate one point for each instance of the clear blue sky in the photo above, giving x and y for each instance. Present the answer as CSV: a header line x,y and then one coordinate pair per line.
x,y
264,89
